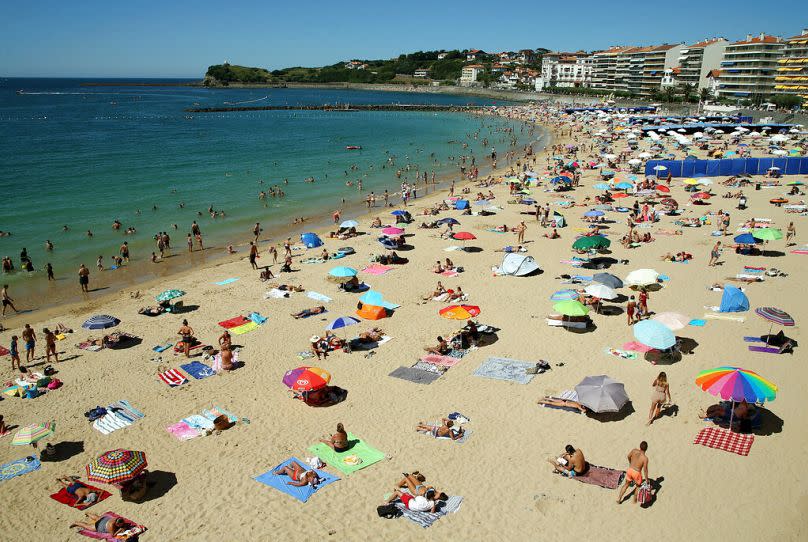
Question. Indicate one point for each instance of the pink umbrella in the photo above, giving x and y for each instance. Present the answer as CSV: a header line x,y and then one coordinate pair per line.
x,y
392,231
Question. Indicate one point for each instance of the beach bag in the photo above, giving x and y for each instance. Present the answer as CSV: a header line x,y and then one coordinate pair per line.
x,y
388,511
644,493
54,384
49,370
95,413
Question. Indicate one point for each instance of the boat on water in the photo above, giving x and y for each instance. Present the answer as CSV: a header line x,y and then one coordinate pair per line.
x,y
353,148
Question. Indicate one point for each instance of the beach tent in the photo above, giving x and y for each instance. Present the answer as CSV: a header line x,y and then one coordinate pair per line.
x,y
558,220
517,265
311,240
372,297
372,312
461,204
733,300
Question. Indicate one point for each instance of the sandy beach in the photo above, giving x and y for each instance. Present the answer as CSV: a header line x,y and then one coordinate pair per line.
x,y
205,487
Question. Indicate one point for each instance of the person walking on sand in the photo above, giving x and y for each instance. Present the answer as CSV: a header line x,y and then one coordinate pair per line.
x,y
50,345
274,253
520,233
715,253
256,231
253,255
29,340
287,248
791,233
84,278
631,307
637,469
186,333
14,351
642,306
6,299
661,396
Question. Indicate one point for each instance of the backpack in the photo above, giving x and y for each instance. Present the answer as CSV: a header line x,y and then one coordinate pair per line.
x,y
644,493
96,413
388,511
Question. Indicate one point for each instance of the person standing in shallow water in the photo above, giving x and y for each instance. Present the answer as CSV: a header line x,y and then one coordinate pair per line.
x,y
84,278
6,299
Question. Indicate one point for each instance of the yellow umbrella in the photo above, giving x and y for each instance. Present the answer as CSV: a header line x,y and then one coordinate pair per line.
x,y
691,181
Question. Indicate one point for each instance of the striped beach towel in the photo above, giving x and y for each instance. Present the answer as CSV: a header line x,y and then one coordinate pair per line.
x,y
173,378
119,414
426,519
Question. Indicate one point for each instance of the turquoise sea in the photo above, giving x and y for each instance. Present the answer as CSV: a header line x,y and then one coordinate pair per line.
x,y
83,156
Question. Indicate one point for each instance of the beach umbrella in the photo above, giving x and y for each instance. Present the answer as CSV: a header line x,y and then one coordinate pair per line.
x,y
100,321
459,312
620,195
659,168
601,291
602,186
691,181
342,321
307,378
559,179
342,272
654,334
644,155
642,277
311,240
398,212
349,224
775,316
601,394
608,279
767,234
662,188
392,231
700,195
736,384
594,213
635,162
463,236
564,295
448,220
168,295
588,243
571,308
672,320
746,239
31,434
624,186
669,202
116,466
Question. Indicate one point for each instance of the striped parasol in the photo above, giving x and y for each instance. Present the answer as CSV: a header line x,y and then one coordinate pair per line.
x,y
30,434
116,466
100,321
775,315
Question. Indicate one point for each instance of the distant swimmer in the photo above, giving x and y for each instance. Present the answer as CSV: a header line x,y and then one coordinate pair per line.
x,y
48,245
65,228
116,224
5,233
89,233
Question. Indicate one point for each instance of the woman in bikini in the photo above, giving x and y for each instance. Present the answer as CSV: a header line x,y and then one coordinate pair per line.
x,y
186,333
300,475
338,441
660,396
105,525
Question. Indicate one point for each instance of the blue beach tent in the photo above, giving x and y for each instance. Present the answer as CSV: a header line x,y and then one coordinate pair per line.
x,y
734,300
311,240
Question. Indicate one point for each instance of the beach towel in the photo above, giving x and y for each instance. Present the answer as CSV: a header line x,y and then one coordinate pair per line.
x,y
318,297
274,293
412,374
234,322
765,349
431,432
753,340
225,281
64,497
450,273
199,422
257,318
4,351
90,347
356,345
426,519
19,467
729,317
505,369
215,412
697,323
424,366
183,431
162,347
367,454
119,414
440,361
136,530
623,354
198,370
377,269
173,378
800,251
724,439
279,481
244,328
601,477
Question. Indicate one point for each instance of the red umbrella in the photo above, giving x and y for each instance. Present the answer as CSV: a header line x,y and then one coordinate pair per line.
x,y
663,188
460,312
307,378
464,236
700,195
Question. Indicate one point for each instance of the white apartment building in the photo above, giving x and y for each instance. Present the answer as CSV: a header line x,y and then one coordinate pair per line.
x,y
749,67
792,67
566,69
469,73
647,66
699,59
604,66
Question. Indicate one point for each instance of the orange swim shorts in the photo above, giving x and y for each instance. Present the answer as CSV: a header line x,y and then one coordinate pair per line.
x,y
634,476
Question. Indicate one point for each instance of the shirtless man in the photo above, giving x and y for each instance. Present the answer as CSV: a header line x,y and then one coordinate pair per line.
x,y
571,462
124,250
6,300
29,340
256,231
253,254
84,278
637,470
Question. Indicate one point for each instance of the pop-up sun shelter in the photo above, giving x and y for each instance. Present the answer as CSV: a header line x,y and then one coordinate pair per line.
x,y
733,300
311,240
517,265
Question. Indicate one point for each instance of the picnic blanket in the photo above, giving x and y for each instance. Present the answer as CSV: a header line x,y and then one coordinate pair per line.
x,y
198,370
279,481
426,519
234,322
183,431
440,361
377,269
173,378
244,328
119,414
357,345
601,477
412,374
225,281
318,297
19,467
505,369
135,531
64,497
359,448
724,439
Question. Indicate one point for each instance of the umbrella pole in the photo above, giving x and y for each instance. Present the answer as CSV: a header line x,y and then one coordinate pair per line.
x,y
731,414
770,334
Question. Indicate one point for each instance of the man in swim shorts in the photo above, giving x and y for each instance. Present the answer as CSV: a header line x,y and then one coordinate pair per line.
x,y
638,468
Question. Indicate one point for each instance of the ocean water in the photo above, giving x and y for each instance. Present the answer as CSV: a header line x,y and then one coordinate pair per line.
x,y
83,156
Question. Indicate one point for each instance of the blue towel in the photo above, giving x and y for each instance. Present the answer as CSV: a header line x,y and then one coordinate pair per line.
x,y
225,281
162,347
753,340
279,481
663,278
582,277
198,370
698,323
19,467
505,369
257,318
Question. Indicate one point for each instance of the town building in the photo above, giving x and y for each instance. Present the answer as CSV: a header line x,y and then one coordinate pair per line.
x,y
421,72
604,66
699,59
442,55
749,67
469,74
647,67
355,65
792,67
474,54
566,69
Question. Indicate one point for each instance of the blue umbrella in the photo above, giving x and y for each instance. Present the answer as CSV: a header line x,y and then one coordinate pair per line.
x,y
654,334
746,239
448,220
564,295
311,240
349,224
594,213
342,321
602,186
623,186
100,321
607,173
398,212
560,179
343,272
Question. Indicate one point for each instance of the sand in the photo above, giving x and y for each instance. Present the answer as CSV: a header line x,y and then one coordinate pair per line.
x,y
205,486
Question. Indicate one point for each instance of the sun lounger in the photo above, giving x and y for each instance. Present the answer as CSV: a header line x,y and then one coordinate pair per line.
x,y
135,531
344,461
64,497
279,481
725,439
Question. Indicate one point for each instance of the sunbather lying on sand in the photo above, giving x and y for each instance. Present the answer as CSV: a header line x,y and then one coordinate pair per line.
x,y
372,336
287,287
300,475
305,313
552,401
445,430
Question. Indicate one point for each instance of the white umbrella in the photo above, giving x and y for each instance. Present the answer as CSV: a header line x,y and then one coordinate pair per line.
x,y
600,290
645,155
641,277
681,130
778,138
660,168
672,320
601,394
741,129
779,152
635,161
609,156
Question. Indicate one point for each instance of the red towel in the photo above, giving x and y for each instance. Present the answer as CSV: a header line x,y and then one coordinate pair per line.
x,y
234,322
173,378
64,497
723,439
4,351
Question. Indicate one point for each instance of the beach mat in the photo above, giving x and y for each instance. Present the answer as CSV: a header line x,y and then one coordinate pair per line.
x,y
505,369
19,467
426,519
234,322
440,361
102,536
183,431
225,281
64,497
377,269
245,328
726,440
601,477
765,349
279,481
198,370
360,448
418,376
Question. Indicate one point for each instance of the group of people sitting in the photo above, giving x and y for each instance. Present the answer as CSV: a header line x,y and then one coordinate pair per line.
x,y
345,233
440,293
415,494
439,267
635,237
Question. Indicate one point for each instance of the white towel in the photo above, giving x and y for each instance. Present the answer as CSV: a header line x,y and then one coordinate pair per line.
x,y
319,297
274,293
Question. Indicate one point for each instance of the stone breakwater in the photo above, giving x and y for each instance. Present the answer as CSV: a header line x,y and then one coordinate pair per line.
x,y
345,108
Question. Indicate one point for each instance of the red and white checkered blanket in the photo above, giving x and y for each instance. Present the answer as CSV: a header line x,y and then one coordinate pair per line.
x,y
723,439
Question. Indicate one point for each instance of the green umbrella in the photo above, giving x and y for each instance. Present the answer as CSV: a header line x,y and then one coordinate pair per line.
x,y
571,307
767,234
168,295
586,243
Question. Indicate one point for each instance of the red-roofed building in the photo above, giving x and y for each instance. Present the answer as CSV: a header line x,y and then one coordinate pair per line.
x,y
474,54
749,67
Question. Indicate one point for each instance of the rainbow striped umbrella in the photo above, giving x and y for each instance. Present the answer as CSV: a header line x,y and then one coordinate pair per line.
x,y
116,466
30,434
736,384
775,315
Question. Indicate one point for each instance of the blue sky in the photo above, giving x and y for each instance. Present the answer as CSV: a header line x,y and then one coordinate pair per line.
x,y
180,38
